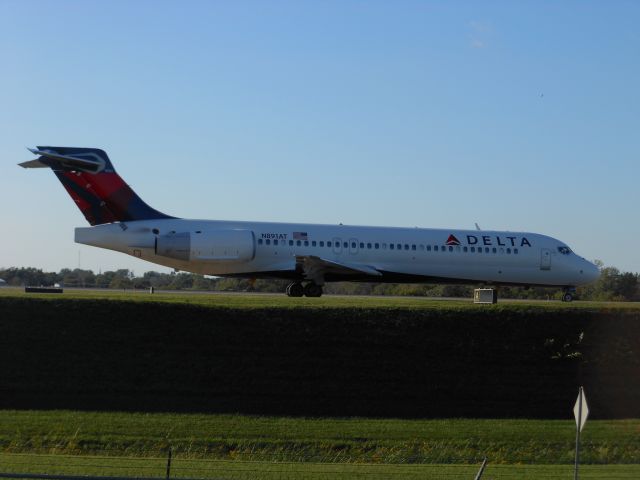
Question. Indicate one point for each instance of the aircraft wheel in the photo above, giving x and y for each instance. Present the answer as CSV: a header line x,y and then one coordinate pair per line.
x,y
312,290
295,290
567,297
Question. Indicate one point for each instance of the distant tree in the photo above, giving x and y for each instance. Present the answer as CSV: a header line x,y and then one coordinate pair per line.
x,y
121,282
77,277
181,281
232,284
627,286
28,276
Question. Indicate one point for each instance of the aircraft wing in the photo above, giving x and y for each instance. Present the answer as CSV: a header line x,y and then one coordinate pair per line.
x,y
314,268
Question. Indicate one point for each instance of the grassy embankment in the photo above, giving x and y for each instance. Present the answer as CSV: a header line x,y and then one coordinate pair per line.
x,y
233,446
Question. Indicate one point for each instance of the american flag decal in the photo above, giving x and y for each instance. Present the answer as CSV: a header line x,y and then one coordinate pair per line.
x,y
299,235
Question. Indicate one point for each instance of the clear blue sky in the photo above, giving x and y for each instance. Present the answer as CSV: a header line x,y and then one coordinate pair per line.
x,y
515,115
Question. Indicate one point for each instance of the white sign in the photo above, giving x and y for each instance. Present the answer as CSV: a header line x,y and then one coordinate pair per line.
x,y
580,410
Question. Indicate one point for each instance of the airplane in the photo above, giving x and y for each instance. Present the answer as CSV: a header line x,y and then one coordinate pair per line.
x,y
308,255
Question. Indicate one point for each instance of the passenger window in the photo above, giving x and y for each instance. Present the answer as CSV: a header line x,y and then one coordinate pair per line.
x,y
329,243
391,246
361,245
486,249
495,250
450,248
345,244
435,248
299,243
406,246
502,251
399,245
306,243
353,244
428,248
464,249
291,243
275,242
515,251
259,241
268,242
322,243
313,243
376,245
384,246
508,251
473,249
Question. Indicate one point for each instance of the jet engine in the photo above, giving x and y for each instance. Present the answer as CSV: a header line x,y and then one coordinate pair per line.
x,y
208,246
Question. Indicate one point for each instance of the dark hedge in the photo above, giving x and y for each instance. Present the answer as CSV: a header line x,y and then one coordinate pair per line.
x,y
486,362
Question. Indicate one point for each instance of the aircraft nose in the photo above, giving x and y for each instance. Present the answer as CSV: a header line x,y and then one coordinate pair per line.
x,y
590,272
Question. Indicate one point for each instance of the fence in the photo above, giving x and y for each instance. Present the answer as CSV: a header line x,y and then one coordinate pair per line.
x,y
95,467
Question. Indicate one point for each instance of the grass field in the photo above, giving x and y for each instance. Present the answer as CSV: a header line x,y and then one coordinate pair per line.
x,y
356,440
245,470
256,300
239,447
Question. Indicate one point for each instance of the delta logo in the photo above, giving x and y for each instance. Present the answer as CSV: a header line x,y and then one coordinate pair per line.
x,y
490,240
452,240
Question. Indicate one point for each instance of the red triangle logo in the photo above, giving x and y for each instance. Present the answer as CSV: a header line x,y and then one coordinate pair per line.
x,y
452,240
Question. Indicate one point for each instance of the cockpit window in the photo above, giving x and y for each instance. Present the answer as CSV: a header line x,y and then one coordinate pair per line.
x,y
564,250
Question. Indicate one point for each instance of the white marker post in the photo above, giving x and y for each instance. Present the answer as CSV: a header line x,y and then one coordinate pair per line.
x,y
581,412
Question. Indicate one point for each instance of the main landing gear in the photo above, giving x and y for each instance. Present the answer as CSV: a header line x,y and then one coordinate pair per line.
x,y
311,289
568,294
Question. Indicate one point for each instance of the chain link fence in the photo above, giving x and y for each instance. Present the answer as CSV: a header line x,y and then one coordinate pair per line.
x,y
67,467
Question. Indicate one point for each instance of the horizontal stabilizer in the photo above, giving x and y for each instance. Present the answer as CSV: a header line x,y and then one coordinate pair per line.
x,y
68,162
33,164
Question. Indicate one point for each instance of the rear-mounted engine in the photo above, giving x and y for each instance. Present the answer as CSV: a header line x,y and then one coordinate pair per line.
x,y
211,246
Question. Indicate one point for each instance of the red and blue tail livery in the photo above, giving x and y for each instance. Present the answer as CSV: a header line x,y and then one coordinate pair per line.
x,y
308,255
90,179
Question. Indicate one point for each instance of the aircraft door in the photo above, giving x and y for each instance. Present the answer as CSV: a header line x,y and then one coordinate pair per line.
x,y
337,245
545,259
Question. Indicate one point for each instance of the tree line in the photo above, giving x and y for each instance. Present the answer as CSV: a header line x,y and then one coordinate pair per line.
x,y
613,285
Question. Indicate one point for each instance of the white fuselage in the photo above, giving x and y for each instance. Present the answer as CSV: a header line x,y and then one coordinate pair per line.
x,y
255,249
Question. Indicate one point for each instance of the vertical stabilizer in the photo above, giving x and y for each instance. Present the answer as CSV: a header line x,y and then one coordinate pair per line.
x,y
90,179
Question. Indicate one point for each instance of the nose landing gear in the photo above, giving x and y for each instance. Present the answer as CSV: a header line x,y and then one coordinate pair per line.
x,y
311,289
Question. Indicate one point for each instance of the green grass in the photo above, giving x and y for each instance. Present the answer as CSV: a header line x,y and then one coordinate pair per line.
x,y
241,470
271,448
256,300
354,440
